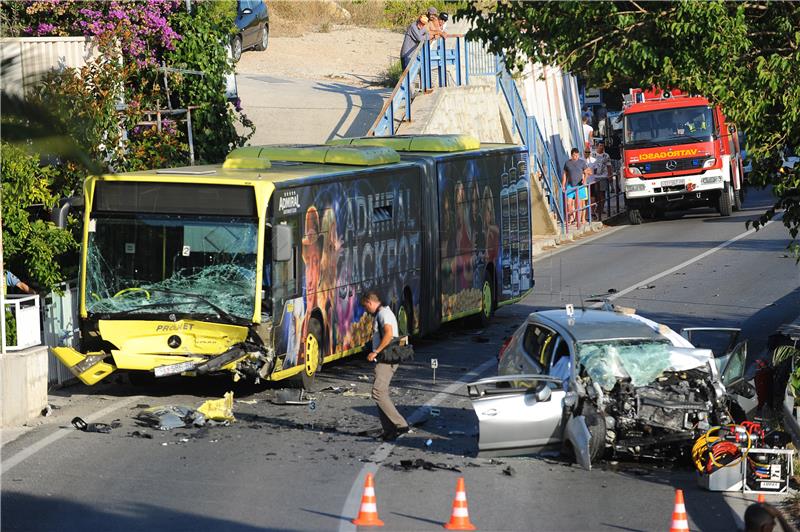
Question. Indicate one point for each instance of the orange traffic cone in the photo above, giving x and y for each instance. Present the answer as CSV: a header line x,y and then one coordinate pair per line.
x,y
459,517
680,523
368,514
761,498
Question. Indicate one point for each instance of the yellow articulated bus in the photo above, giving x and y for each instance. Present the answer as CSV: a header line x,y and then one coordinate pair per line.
x,y
256,266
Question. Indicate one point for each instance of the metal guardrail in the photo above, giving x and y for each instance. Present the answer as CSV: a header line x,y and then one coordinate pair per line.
x,y
431,57
467,59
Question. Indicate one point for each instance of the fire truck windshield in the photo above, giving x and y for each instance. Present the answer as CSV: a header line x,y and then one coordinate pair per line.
x,y
668,127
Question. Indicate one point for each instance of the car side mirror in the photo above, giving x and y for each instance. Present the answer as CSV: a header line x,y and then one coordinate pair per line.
x,y
543,394
281,243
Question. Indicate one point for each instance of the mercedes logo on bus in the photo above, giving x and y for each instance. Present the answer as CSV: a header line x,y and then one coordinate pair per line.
x,y
671,165
174,341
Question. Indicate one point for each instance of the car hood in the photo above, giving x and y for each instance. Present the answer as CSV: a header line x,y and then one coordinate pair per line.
x,y
642,364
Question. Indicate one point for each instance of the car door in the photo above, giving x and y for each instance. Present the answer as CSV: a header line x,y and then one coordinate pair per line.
x,y
522,419
732,372
531,354
247,21
720,340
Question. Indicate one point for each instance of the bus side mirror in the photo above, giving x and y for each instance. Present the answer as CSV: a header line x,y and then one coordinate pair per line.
x,y
282,243
60,213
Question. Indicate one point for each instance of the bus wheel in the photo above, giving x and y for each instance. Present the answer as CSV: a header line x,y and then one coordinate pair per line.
x,y
487,301
313,355
634,216
737,199
405,318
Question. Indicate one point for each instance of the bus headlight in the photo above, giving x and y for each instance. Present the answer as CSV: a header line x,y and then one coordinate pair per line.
x,y
634,170
710,180
634,188
708,163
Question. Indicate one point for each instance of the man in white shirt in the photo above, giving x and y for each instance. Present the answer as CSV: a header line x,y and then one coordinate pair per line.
x,y
588,134
384,329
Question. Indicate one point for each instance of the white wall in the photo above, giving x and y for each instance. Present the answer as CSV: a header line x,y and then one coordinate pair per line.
x,y
554,102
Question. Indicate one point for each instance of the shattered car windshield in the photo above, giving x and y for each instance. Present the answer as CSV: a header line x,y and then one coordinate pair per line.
x,y
157,264
643,361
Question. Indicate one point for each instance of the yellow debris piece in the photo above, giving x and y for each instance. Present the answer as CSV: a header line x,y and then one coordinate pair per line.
x,y
219,409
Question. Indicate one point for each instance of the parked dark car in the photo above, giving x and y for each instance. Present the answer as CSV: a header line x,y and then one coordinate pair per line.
x,y
252,19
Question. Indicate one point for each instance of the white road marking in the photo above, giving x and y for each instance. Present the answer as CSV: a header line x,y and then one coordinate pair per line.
x,y
680,266
351,504
34,448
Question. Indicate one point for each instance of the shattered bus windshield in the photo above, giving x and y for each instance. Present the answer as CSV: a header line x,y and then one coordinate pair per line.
x,y
160,264
669,126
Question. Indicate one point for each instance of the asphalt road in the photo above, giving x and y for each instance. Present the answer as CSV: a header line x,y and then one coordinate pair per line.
x,y
293,468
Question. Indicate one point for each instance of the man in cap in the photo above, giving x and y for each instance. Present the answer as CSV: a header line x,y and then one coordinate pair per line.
x,y
434,24
415,34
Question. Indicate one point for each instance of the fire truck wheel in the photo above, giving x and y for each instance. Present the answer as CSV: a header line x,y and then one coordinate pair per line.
x,y
725,200
634,216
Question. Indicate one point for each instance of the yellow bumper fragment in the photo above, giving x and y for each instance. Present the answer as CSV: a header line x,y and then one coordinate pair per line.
x,y
89,367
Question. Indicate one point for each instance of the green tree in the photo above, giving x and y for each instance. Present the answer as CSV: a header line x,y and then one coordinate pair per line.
x,y
744,56
28,238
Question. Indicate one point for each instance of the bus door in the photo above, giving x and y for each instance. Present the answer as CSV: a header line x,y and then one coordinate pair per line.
x,y
288,310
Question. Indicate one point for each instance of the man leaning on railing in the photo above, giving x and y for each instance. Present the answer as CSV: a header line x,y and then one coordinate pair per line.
x,y
416,33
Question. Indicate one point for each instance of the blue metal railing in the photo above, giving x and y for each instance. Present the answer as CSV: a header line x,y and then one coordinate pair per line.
x,y
430,57
465,59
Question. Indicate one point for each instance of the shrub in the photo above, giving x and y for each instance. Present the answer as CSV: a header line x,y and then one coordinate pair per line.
x,y
28,239
391,75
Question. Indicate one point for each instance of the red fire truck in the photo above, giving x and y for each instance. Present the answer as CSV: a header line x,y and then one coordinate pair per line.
x,y
678,151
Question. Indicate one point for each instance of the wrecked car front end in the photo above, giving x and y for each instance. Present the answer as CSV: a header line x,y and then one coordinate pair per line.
x,y
653,398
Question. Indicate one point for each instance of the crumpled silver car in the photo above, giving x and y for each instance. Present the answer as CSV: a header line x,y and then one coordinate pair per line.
x,y
594,381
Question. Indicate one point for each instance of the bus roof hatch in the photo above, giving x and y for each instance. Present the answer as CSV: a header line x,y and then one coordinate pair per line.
x,y
320,154
247,158
430,143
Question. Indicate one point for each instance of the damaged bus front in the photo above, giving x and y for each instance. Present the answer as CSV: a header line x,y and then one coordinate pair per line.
x,y
171,276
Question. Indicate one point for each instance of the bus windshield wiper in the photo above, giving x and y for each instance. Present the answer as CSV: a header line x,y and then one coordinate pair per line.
x,y
232,320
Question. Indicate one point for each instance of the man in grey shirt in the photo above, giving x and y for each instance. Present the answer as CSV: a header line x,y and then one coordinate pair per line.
x,y
416,33
574,175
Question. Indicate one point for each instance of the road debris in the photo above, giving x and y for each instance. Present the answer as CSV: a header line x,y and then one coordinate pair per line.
x,y
363,377
247,401
170,417
429,442
47,410
80,424
419,463
353,393
287,396
509,471
220,410
140,434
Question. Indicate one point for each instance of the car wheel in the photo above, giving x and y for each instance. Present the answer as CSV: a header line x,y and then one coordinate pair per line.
x,y
236,48
725,200
263,42
597,429
313,355
634,216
